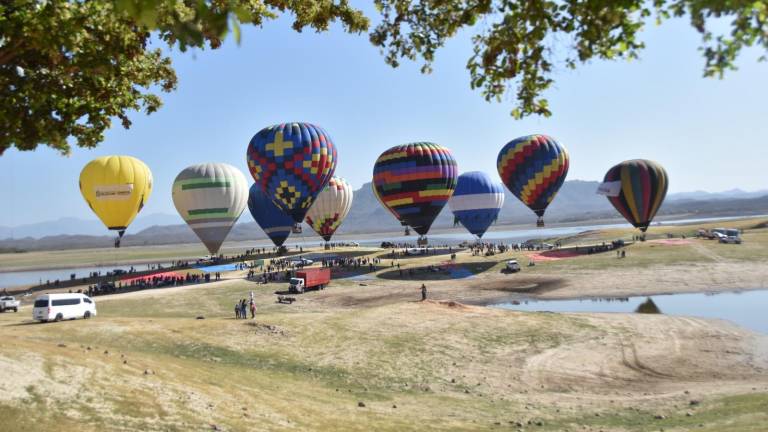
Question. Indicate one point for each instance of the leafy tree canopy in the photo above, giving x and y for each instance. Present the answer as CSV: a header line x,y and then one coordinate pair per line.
x,y
68,67
519,43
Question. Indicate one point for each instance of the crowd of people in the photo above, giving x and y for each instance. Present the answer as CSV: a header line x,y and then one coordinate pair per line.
x,y
148,282
279,268
352,262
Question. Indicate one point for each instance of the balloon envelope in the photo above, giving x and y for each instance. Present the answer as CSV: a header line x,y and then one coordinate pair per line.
x,y
533,168
477,201
636,188
210,198
275,223
116,188
331,206
414,181
291,163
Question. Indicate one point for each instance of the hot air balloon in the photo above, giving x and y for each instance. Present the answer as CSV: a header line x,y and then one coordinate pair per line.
x,y
330,208
533,168
292,163
210,198
414,181
476,202
636,188
116,188
275,223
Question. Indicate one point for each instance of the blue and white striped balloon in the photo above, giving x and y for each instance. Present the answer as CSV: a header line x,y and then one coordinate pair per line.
x,y
476,202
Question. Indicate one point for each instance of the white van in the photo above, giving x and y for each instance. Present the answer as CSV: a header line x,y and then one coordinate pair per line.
x,y
57,307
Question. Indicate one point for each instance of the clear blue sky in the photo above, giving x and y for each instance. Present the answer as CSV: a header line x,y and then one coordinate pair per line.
x,y
709,134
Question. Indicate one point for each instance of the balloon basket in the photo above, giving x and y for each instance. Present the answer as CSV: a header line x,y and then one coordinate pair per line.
x,y
422,241
296,229
327,246
540,223
119,237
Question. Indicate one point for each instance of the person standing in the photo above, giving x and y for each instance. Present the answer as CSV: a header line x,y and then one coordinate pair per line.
x,y
253,309
237,310
423,292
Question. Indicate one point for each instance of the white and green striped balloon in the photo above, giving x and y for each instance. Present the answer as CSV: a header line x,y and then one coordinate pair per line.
x,y
210,198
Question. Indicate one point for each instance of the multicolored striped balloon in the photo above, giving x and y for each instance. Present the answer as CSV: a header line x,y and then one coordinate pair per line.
x,y
330,208
210,198
477,201
533,168
292,163
637,189
415,181
276,224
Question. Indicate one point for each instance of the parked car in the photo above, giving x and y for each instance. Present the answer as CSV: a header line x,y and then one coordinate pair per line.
x,y
9,303
302,262
416,251
731,239
57,307
727,235
512,266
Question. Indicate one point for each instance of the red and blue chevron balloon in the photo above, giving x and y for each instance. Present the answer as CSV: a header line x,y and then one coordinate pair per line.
x,y
476,202
533,168
292,163
414,182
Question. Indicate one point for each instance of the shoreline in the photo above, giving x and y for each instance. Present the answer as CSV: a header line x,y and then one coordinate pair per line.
x,y
189,251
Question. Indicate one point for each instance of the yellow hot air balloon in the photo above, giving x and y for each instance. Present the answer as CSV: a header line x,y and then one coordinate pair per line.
x,y
116,188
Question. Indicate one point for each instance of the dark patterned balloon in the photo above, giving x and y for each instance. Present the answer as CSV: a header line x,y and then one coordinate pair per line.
x,y
276,224
414,182
292,163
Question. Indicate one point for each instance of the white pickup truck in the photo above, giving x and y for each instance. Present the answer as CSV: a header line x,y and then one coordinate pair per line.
x,y
9,303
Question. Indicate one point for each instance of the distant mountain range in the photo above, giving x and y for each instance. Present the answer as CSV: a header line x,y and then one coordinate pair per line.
x,y
576,201
75,226
725,195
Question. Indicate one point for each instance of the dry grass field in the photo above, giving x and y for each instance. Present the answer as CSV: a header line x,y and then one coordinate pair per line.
x,y
365,355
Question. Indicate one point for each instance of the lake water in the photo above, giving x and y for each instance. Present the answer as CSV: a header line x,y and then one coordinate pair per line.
x,y
34,277
12,279
520,235
744,308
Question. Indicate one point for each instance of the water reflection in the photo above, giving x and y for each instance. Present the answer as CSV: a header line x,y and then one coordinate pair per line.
x,y
648,307
745,308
